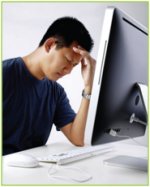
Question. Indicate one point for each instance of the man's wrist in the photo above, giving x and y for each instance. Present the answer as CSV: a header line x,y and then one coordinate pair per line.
x,y
88,90
86,95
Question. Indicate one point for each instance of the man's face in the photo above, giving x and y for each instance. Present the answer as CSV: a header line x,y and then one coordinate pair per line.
x,y
60,62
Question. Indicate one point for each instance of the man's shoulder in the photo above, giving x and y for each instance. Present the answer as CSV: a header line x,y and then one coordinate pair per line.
x,y
12,62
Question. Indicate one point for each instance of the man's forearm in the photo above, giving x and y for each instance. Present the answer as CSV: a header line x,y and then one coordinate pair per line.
x,y
78,126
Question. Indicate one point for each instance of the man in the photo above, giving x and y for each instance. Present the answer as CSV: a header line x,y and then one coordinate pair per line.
x,y
33,100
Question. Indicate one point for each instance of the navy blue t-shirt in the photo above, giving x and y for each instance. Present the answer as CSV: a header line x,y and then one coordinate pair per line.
x,y
30,107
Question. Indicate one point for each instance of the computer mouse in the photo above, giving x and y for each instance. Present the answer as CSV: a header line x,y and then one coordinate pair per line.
x,y
22,160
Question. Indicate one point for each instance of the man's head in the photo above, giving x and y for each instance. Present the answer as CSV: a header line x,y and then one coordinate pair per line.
x,y
67,30
57,45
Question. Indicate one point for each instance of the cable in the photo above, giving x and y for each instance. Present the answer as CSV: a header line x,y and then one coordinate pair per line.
x,y
133,118
114,133
78,174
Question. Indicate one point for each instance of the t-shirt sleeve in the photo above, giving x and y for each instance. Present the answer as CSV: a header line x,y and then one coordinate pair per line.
x,y
8,83
64,113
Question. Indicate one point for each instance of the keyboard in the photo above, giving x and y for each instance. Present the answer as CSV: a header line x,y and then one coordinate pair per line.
x,y
75,155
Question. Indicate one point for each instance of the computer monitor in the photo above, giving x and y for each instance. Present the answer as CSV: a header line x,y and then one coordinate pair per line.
x,y
117,110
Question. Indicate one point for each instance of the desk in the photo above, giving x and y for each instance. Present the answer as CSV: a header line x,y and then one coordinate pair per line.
x,y
101,173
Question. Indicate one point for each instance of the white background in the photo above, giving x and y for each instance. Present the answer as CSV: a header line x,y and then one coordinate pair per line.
x,y
24,24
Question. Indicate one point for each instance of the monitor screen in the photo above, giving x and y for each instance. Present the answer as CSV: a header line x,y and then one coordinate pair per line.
x,y
122,63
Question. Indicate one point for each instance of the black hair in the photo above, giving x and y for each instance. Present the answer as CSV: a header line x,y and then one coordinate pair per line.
x,y
68,30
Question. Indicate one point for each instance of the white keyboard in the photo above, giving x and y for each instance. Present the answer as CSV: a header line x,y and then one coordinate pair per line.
x,y
75,155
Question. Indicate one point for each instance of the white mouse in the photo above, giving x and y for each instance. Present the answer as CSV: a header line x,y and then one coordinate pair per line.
x,y
22,160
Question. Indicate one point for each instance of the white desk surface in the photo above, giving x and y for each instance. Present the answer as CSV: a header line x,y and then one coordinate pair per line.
x,y
102,174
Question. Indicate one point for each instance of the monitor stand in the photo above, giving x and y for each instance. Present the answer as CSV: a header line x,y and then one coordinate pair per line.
x,y
143,89
131,161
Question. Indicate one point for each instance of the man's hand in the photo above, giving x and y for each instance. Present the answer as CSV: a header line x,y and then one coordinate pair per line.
x,y
87,68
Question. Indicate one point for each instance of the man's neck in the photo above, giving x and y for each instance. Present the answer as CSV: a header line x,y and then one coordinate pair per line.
x,y
33,64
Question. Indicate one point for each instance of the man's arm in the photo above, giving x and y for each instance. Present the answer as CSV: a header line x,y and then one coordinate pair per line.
x,y
75,130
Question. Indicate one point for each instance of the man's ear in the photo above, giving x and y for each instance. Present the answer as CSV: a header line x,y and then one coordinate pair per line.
x,y
49,43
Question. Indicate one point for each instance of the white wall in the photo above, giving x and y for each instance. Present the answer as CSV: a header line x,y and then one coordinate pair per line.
x,y
24,24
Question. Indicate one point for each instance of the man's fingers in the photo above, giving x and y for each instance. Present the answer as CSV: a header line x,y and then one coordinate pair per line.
x,y
80,51
86,58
